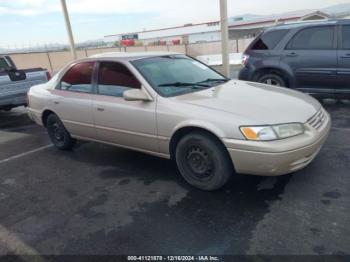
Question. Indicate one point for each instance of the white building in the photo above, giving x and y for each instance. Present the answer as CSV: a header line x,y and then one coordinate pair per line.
x,y
191,33
239,27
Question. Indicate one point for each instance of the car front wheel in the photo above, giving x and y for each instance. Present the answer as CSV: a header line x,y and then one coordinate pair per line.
x,y
58,133
203,161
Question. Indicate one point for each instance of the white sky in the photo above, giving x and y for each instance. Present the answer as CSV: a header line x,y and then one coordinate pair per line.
x,y
179,9
44,17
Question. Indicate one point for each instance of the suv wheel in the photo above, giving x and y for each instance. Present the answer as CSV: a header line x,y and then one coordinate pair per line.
x,y
272,79
203,162
58,133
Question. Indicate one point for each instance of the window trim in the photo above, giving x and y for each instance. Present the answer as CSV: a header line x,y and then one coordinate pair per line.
x,y
97,72
70,67
334,44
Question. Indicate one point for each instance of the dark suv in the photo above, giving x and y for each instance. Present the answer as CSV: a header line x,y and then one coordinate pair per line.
x,y
313,57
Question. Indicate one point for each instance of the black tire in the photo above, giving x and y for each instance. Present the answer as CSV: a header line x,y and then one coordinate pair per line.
x,y
58,133
272,79
203,162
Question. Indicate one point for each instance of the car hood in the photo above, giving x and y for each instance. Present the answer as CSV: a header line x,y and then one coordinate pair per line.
x,y
258,103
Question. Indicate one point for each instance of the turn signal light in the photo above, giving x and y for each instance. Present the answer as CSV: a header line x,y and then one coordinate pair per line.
x,y
249,133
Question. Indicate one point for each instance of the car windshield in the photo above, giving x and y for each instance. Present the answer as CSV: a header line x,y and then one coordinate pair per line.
x,y
177,74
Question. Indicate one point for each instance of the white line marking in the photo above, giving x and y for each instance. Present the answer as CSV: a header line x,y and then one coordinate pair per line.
x,y
15,245
341,129
16,128
25,154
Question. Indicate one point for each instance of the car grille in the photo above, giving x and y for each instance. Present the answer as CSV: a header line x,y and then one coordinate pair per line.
x,y
317,120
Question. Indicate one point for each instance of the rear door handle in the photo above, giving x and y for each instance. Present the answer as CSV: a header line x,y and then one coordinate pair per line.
x,y
56,102
292,54
101,109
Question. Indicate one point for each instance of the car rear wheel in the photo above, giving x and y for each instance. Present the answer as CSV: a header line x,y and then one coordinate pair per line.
x,y
203,161
58,133
272,79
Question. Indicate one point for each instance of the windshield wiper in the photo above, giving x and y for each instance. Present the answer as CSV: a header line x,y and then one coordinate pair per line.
x,y
184,84
214,80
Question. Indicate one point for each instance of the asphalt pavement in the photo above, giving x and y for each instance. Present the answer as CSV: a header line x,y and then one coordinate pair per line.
x,y
99,199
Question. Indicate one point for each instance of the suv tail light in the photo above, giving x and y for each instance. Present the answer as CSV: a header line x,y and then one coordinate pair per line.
x,y
48,75
245,59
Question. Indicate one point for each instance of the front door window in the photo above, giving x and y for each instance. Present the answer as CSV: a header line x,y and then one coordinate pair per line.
x,y
115,78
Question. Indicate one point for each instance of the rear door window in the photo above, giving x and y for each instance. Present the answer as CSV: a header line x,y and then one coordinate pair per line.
x,y
314,38
270,40
78,78
346,37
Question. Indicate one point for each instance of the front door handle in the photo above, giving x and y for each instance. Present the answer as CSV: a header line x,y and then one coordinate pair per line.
x,y
56,102
101,109
292,54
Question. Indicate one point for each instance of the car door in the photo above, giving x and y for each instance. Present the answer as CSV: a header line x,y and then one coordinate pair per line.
x,y
312,57
72,100
344,62
126,123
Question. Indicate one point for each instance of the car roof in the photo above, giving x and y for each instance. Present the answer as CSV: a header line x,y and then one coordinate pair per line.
x,y
120,57
130,56
300,24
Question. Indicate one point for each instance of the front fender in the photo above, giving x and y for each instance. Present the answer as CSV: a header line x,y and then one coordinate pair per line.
x,y
165,142
199,124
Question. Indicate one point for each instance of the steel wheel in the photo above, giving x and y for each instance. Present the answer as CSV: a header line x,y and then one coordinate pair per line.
x,y
203,161
58,133
271,82
200,163
272,79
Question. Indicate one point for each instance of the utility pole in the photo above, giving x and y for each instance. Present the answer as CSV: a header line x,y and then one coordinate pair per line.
x,y
69,29
224,38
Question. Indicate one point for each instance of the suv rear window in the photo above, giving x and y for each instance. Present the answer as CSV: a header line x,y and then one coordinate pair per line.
x,y
269,40
319,38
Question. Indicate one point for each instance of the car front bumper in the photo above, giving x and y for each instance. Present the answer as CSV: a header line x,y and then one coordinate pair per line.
x,y
278,157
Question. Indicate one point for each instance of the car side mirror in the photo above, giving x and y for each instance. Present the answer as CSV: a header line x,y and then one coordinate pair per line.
x,y
135,95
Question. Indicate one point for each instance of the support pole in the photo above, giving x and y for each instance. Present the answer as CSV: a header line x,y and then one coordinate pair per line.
x,y
69,29
224,38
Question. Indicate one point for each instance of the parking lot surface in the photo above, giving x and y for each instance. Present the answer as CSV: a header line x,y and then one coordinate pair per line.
x,y
100,199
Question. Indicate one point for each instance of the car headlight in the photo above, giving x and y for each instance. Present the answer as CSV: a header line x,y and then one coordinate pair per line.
x,y
274,132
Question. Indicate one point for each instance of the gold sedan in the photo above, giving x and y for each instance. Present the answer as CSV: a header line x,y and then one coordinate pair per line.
x,y
173,106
